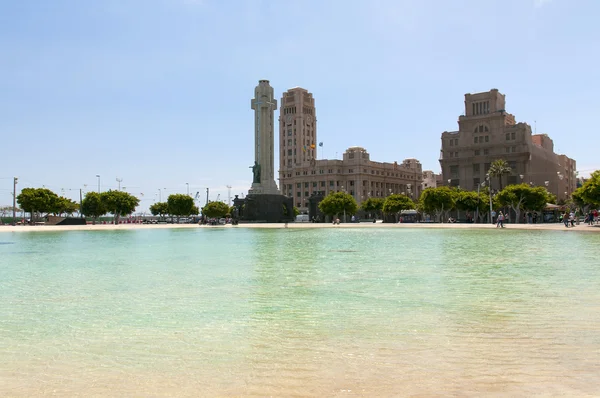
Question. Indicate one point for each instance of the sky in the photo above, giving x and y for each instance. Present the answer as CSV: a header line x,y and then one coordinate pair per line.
x,y
157,93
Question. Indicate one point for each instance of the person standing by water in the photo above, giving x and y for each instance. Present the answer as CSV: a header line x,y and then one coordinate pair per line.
x,y
500,222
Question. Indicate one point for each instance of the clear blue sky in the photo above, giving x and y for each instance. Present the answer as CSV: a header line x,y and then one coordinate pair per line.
x,y
157,92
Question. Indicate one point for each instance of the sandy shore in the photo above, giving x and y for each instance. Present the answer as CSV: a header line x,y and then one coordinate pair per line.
x,y
105,227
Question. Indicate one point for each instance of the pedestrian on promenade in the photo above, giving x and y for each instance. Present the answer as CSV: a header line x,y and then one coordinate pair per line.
x,y
500,222
565,219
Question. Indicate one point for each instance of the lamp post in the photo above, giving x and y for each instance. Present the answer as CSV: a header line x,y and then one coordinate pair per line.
x,y
119,180
449,181
188,188
487,178
479,185
343,190
15,180
98,175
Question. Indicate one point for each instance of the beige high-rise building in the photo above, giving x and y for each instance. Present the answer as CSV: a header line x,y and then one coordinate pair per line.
x,y
486,132
301,174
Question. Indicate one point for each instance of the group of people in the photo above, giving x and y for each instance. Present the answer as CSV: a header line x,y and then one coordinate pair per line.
x,y
572,218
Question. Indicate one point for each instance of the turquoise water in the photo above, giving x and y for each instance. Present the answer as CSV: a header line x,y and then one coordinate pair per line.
x,y
303,312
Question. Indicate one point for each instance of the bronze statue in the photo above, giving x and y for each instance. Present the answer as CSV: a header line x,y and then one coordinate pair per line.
x,y
256,172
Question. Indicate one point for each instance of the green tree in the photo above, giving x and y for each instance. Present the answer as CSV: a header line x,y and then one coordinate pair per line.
x,y
160,209
522,197
180,205
373,205
337,203
93,206
215,209
65,206
119,203
437,201
195,210
394,204
468,201
499,168
37,201
296,211
590,190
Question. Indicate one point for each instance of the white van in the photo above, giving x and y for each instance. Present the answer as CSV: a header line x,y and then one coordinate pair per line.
x,y
302,218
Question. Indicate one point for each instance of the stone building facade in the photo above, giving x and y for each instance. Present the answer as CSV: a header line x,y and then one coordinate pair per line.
x,y
486,132
302,175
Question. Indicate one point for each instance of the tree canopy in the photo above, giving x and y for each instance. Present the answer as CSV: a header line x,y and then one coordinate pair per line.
x,y
337,202
160,209
396,203
93,206
38,200
119,203
436,201
589,192
373,205
180,205
523,197
215,209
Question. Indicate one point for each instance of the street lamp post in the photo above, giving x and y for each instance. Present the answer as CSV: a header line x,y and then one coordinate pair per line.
x,y
188,188
479,185
343,190
487,178
15,180
98,175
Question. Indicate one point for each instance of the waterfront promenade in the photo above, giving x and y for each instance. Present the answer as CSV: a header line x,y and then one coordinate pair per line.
x,y
106,227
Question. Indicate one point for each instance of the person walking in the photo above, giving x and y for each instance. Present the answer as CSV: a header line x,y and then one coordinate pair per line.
x,y
565,219
500,222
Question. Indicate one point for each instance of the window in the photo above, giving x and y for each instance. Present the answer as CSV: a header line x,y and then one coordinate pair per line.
x,y
513,136
456,141
476,168
513,165
455,154
451,142
477,152
486,167
486,151
475,140
476,182
314,184
513,149
322,183
289,132
289,152
453,172
487,138
507,149
299,194
298,185
351,183
507,136
306,185
306,193
330,183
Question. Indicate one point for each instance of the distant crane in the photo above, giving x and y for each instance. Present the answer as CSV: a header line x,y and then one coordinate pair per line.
x,y
229,195
218,197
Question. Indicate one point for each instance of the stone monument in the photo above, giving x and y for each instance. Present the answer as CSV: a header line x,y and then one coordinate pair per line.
x,y
264,105
264,202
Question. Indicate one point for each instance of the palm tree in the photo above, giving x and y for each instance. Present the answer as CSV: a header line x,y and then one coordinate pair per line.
x,y
499,168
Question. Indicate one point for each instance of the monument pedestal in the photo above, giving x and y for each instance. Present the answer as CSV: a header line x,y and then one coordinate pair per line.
x,y
260,189
267,208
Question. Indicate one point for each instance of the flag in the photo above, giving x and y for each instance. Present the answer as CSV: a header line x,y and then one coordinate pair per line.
x,y
321,143
304,148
